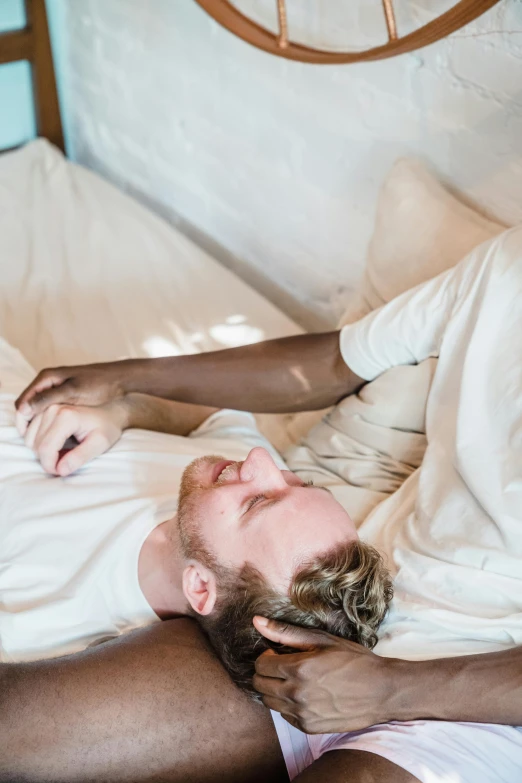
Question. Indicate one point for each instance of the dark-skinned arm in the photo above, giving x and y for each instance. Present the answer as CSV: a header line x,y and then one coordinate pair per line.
x,y
299,373
330,685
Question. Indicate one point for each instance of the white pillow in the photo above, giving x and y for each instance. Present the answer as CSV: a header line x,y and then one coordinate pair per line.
x,y
421,230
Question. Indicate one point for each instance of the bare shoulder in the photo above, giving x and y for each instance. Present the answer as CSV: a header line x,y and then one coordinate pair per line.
x,y
354,766
152,705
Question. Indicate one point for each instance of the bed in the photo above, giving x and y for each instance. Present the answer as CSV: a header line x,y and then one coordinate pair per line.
x,y
90,275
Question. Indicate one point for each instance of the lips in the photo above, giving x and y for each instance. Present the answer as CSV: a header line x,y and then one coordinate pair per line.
x,y
219,468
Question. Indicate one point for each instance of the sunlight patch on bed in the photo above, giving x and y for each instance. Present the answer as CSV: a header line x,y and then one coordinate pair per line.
x,y
155,347
236,319
235,331
435,777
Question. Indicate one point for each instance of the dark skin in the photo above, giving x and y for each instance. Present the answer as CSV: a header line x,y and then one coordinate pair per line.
x,y
330,685
348,766
300,373
152,706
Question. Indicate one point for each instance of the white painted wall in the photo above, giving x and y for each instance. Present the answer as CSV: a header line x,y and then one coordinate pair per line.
x,y
276,165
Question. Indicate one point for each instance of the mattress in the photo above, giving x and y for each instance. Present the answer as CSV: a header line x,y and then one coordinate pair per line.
x,y
88,274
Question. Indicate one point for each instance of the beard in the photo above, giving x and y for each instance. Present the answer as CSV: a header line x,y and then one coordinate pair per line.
x,y
193,476
194,481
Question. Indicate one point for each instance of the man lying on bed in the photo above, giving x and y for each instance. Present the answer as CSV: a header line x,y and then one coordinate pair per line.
x,y
470,477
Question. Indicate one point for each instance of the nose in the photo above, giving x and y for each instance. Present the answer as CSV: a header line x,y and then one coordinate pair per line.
x,y
260,467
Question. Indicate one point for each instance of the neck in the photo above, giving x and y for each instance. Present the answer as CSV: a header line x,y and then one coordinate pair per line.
x,y
160,569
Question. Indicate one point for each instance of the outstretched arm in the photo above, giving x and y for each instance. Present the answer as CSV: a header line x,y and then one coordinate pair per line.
x,y
331,685
306,372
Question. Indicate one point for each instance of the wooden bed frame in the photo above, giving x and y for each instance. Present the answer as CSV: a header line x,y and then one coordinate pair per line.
x,y
33,43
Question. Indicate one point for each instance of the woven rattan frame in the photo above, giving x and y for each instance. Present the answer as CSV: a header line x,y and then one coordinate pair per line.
x,y
233,20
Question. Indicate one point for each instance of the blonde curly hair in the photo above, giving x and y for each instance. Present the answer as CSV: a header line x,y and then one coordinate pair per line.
x,y
345,592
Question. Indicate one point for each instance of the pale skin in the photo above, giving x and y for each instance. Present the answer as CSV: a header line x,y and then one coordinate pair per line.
x,y
304,373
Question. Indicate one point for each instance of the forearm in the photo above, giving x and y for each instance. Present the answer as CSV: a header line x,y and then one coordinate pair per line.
x,y
306,372
144,412
477,688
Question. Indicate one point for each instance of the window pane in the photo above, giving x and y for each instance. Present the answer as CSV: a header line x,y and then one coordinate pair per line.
x,y
17,120
12,15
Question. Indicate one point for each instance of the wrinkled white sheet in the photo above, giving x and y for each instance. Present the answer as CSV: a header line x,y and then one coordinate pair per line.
x,y
370,443
87,274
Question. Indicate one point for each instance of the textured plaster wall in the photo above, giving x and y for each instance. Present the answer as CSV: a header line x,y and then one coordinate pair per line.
x,y
275,165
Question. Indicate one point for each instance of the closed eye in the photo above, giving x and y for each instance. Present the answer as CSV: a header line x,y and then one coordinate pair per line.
x,y
252,502
310,484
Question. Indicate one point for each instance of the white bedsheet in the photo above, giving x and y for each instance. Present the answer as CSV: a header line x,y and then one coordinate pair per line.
x,y
90,275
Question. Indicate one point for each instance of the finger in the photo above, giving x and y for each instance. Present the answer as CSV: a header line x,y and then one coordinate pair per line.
x,y
269,665
292,635
31,432
281,667
21,423
44,380
47,420
291,720
271,686
49,443
90,448
56,395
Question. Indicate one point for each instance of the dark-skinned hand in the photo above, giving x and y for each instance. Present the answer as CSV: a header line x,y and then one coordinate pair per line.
x,y
329,685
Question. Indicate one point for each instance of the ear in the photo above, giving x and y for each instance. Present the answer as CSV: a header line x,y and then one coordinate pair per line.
x,y
199,587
